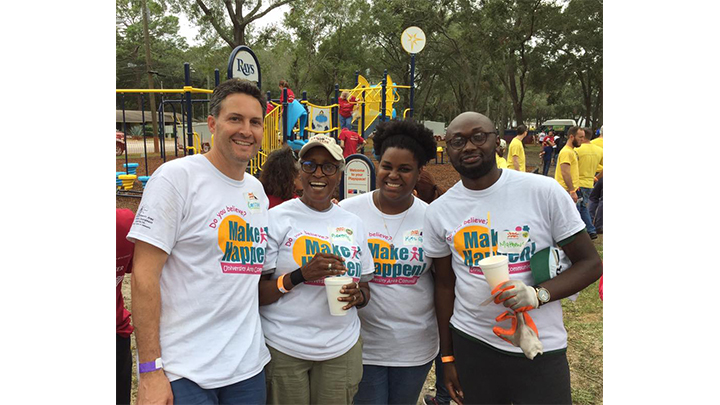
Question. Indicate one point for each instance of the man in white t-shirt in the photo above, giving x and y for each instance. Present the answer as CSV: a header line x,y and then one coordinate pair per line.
x,y
467,224
200,235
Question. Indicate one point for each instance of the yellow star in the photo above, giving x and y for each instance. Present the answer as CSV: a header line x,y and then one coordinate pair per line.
x,y
413,40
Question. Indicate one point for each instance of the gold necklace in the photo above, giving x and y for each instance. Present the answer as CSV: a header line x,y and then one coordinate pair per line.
x,y
382,215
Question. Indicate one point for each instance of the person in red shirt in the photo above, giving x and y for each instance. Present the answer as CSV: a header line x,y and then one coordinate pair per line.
x,y
280,176
291,96
124,253
349,141
345,109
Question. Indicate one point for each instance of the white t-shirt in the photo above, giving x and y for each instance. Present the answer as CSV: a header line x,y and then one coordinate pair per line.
x,y
456,223
299,324
399,328
214,230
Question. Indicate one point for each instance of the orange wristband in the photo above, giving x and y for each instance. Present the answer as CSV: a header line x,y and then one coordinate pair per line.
x,y
281,285
447,359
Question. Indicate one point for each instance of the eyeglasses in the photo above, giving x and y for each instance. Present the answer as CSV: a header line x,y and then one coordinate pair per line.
x,y
328,169
478,139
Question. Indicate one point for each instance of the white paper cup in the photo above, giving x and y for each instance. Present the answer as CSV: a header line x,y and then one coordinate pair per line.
x,y
495,269
333,285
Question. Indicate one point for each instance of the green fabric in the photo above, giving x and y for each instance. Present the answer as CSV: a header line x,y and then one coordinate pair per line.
x,y
290,380
570,238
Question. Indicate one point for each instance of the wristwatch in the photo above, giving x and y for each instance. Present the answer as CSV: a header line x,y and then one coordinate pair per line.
x,y
543,295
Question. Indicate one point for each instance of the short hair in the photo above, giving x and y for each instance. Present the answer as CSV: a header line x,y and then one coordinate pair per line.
x,y
573,130
521,129
408,135
279,172
284,83
234,86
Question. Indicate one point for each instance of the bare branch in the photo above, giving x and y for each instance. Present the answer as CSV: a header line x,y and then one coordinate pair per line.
x,y
267,10
255,9
214,22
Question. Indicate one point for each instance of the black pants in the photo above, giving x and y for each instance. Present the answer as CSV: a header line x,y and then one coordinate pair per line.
x,y
490,377
123,369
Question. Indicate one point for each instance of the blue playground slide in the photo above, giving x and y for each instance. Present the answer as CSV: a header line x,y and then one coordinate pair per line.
x,y
296,112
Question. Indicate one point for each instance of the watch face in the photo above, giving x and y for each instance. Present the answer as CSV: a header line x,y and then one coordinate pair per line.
x,y
543,295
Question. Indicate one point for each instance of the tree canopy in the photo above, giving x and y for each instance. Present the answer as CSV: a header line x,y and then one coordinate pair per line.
x,y
517,61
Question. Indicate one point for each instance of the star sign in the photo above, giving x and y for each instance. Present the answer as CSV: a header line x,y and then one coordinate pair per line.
x,y
413,40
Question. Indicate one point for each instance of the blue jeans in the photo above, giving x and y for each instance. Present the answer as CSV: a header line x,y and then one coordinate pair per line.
x,y
582,206
546,166
346,122
391,385
250,391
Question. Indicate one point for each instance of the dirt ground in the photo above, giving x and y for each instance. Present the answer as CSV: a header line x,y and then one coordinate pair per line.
x,y
444,174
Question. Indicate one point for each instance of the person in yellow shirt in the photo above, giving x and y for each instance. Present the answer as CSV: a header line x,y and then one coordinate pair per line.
x,y
566,171
516,152
590,159
599,140
500,151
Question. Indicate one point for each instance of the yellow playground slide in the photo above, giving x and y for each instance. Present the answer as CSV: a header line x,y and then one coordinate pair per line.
x,y
373,100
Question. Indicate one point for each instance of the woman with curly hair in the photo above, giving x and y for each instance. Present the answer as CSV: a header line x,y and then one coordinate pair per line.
x,y
279,176
399,329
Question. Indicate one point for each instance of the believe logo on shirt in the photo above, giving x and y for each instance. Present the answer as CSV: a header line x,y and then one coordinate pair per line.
x,y
388,271
305,247
476,242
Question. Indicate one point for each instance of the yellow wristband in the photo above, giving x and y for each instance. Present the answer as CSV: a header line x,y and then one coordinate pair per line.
x,y
447,359
281,285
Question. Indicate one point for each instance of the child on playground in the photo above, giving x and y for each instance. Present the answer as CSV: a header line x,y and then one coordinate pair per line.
x,y
284,85
345,109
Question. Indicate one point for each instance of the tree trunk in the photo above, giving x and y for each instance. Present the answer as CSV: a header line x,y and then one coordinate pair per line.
x,y
597,116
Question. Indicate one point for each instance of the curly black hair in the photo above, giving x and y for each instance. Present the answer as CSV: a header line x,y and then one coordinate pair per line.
x,y
279,172
405,134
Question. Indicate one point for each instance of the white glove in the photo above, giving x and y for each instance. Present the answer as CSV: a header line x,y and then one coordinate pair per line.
x,y
522,333
514,294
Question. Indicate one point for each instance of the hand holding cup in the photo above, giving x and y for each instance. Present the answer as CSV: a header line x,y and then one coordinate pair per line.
x,y
323,265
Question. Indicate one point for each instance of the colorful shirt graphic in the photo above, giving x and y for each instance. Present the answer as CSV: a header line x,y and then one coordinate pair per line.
x,y
237,240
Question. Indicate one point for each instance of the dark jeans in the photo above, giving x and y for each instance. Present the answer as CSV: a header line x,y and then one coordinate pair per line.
x,y
123,369
250,391
488,376
596,200
391,385
441,393
546,167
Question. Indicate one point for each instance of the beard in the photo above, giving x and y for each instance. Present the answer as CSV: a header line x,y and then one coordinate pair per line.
x,y
474,173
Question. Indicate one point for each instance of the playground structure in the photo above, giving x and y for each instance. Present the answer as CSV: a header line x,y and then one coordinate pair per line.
x,y
195,142
284,123
374,103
